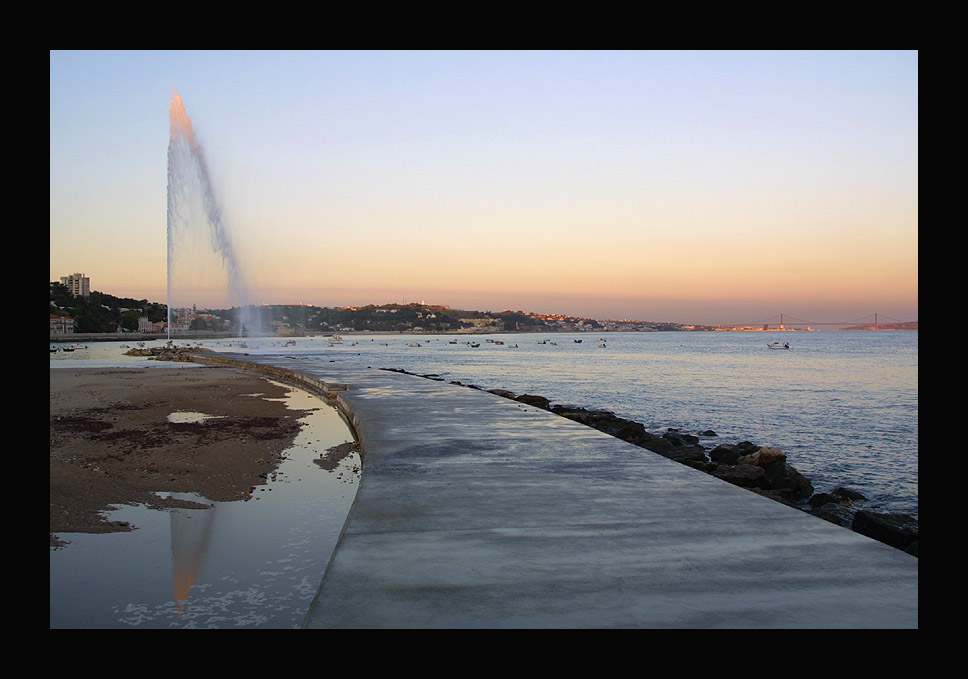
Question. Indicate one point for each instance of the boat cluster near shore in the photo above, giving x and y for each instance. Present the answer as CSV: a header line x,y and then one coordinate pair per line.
x,y
66,348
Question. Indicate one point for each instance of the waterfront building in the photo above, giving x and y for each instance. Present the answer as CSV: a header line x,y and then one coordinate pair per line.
x,y
61,325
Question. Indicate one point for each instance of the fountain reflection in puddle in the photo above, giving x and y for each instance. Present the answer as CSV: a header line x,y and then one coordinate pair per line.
x,y
244,564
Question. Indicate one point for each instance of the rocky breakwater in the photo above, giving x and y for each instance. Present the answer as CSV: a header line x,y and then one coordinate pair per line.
x,y
760,469
167,353
764,470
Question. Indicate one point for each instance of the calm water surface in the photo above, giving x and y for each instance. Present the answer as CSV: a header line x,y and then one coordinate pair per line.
x,y
843,405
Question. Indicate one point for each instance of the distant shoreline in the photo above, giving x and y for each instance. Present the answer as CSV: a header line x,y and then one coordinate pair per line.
x,y
203,335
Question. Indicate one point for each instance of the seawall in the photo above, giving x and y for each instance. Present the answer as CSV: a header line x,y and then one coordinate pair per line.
x,y
475,511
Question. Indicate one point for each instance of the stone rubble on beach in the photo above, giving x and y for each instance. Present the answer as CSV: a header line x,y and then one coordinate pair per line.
x,y
167,353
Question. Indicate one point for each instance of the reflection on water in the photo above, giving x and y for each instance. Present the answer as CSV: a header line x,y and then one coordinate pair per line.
x,y
191,533
254,564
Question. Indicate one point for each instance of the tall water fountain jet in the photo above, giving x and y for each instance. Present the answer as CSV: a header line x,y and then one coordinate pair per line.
x,y
196,229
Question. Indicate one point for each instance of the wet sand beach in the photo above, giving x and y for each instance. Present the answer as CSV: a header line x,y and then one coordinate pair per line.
x,y
120,436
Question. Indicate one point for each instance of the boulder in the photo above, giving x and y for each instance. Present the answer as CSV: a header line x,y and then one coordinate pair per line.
x,y
764,457
725,454
502,392
590,418
677,438
896,530
633,432
781,476
776,496
791,483
656,444
694,456
743,475
618,426
834,513
847,495
730,453
839,496
534,400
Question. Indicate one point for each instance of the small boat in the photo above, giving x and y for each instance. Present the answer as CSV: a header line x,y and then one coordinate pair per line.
x,y
777,345
577,341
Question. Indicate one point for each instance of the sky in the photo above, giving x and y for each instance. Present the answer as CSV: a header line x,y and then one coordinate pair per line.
x,y
685,186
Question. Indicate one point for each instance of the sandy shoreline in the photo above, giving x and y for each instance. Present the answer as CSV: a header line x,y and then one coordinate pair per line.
x,y
111,441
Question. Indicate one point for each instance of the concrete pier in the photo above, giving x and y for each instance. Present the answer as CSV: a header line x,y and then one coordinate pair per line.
x,y
476,511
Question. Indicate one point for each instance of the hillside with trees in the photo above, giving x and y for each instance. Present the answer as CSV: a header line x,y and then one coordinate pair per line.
x,y
104,313
101,312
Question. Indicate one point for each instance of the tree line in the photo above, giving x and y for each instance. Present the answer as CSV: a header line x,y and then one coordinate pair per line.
x,y
101,312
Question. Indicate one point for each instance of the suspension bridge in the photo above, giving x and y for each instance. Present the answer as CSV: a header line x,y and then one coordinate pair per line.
x,y
873,321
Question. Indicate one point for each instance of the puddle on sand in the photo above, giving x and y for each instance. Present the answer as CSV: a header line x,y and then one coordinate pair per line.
x,y
244,564
190,417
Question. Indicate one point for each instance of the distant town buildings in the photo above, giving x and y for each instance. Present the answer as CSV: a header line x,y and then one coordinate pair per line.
x,y
145,325
61,325
78,284
124,315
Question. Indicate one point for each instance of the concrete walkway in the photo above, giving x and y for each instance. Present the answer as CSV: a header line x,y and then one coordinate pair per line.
x,y
476,511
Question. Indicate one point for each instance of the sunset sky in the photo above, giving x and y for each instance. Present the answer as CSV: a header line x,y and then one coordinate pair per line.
x,y
696,187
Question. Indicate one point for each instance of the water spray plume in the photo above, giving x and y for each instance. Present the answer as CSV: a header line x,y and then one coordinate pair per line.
x,y
195,219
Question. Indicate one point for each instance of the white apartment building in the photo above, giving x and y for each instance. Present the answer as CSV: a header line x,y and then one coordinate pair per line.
x,y
78,284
